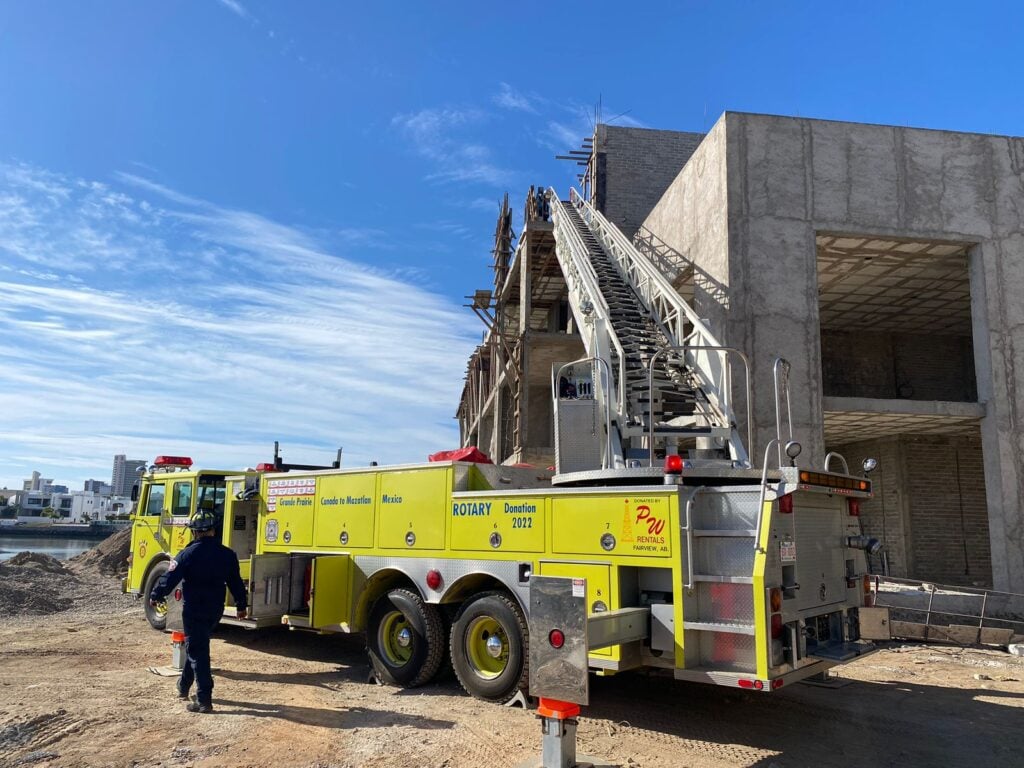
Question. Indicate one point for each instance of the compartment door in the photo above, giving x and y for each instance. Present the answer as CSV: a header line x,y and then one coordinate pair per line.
x,y
269,585
329,593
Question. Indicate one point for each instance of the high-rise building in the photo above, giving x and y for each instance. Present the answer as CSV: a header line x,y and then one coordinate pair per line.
x,y
124,475
97,486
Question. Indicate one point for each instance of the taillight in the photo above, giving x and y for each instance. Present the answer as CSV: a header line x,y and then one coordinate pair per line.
x,y
757,685
557,638
854,507
777,683
869,599
786,504
776,626
673,464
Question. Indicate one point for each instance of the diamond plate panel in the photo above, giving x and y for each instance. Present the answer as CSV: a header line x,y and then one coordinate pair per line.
x,y
578,437
728,651
720,509
725,602
724,556
820,552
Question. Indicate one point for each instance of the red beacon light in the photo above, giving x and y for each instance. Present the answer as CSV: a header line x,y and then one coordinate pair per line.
x,y
266,466
173,461
673,464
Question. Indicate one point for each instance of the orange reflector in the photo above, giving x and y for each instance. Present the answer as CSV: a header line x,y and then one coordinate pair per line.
x,y
177,637
805,477
775,598
786,504
864,485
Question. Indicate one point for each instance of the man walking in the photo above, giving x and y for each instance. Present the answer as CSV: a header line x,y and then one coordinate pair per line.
x,y
207,568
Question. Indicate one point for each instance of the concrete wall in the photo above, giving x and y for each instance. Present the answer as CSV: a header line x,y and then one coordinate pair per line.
x,y
898,366
929,507
634,167
789,178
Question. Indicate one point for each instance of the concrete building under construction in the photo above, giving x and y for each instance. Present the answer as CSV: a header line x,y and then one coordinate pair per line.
x,y
886,264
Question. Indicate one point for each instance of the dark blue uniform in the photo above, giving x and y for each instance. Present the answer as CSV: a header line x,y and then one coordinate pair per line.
x,y
207,567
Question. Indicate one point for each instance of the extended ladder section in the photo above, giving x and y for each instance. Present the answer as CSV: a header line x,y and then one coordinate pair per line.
x,y
661,382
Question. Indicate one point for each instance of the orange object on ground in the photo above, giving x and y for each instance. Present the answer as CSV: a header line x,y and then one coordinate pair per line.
x,y
177,637
560,710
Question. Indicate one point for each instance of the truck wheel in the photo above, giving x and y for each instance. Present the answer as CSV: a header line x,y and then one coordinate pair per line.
x,y
157,616
489,646
405,639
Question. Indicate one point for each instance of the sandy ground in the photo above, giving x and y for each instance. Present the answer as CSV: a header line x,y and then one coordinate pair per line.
x,y
75,691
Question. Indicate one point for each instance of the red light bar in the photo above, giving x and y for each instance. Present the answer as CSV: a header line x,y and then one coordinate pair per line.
x,y
173,461
673,464
265,467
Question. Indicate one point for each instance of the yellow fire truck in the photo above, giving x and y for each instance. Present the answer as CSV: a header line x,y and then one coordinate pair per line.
x,y
740,587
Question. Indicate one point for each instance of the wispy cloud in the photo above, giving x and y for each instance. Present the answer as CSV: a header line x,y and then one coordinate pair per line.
x,y
439,136
137,319
235,7
509,98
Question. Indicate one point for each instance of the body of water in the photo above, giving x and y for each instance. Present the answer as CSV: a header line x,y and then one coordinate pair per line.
x,y
62,549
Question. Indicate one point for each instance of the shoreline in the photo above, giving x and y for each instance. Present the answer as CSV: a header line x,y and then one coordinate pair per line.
x,y
59,531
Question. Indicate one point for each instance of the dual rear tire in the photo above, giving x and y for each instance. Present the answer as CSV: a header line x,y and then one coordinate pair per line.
x,y
406,643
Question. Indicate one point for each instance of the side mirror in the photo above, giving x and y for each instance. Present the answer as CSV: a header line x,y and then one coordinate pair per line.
x,y
870,465
135,493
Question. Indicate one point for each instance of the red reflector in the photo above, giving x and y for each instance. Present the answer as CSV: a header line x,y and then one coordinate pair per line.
x,y
777,683
854,505
433,579
556,638
786,504
776,625
265,467
177,594
758,685
673,464
746,683
173,461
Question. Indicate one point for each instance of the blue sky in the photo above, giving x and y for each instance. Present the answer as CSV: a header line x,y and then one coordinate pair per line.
x,y
225,222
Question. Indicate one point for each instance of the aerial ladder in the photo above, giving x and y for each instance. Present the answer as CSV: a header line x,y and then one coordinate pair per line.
x,y
655,379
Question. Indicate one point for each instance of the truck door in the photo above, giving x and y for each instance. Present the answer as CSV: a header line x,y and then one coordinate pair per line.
x,y
269,585
329,596
147,538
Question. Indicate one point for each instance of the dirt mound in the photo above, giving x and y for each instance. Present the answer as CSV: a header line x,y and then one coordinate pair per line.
x,y
109,557
33,584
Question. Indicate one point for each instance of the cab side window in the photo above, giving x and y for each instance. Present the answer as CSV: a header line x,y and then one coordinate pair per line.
x,y
155,500
181,499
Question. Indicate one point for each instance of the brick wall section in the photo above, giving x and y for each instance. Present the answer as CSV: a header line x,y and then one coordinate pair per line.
x,y
898,365
634,168
929,507
948,515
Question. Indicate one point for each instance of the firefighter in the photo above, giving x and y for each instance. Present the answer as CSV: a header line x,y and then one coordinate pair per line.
x,y
207,567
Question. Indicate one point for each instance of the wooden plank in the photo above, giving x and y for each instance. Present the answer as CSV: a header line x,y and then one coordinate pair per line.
x,y
996,636
909,630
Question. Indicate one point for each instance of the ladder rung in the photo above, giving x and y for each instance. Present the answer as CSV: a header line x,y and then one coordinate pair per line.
x,y
712,578
736,628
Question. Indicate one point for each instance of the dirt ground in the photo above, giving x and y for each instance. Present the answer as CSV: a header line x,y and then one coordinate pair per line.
x,y
75,691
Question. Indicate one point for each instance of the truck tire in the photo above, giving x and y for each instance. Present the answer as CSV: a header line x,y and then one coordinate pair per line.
x,y
405,639
490,647
157,616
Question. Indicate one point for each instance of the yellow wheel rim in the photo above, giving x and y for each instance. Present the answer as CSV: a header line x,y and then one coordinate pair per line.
x,y
487,647
160,609
394,638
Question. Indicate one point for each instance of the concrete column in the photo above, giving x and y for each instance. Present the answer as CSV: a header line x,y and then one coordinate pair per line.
x,y
997,284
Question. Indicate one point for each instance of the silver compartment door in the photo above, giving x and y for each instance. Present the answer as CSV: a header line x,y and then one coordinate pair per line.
x,y
269,585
